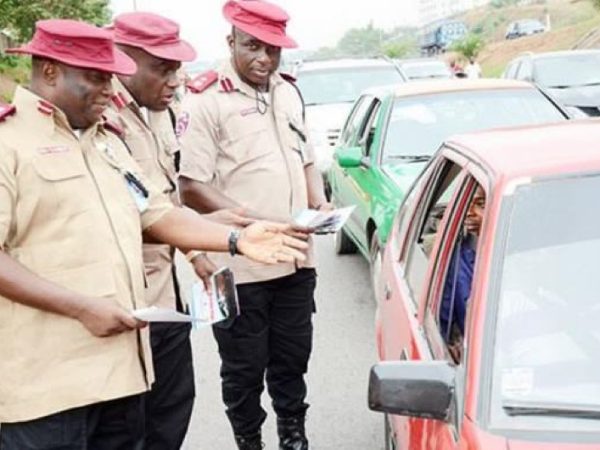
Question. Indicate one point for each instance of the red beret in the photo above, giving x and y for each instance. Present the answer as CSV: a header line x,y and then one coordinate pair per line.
x,y
155,34
77,44
263,20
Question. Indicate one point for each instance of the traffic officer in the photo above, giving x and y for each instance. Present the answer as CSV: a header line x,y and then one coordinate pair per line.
x,y
140,108
74,361
244,144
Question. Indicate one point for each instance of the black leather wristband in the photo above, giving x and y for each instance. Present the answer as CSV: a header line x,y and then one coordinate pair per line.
x,y
232,241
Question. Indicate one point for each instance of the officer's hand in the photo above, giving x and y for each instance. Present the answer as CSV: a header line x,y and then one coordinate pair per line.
x,y
326,207
268,242
204,268
104,318
234,216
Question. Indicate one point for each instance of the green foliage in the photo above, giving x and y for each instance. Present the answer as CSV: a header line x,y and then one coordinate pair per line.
x,y
361,41
400,49
371,41
596,3
469,47
18,16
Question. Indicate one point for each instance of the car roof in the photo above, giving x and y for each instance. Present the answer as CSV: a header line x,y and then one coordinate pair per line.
x,y
346,63
561,53
420,61
424,87
551,149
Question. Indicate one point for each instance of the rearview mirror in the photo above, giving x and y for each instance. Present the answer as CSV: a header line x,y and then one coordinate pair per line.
x,y
349,157
412,388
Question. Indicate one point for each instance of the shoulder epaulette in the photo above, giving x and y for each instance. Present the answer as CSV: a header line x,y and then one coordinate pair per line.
x,y
287,77
203,81
119,100
112,126
6,111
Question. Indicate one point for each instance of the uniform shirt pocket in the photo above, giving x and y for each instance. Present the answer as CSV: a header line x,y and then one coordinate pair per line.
x,y
63,183
247,141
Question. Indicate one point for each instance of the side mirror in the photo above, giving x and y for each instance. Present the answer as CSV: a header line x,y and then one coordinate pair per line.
x,y
412,388
349,157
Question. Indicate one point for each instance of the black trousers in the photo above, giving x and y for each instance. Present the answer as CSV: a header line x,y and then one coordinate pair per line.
x,y
272,337
169,403
113,425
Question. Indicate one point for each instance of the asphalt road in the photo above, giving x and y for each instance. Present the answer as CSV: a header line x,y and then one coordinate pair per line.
x,y
344,350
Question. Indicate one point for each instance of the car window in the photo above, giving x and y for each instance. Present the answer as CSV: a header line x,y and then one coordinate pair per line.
x,y
418,125
511,71
367,133
525,71
355,119
344,85
546,347
425,224
448,302
573,69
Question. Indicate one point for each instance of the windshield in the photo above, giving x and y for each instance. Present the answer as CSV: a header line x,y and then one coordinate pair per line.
x,y
568,70
547,349
426,70
418,125
343,85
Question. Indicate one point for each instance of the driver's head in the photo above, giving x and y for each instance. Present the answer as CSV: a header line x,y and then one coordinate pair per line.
x,y
475,212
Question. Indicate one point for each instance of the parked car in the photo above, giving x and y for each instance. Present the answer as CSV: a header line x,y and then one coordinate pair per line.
x,y
424,68
330,88
523,373
392,132
439,38
525,27
572,77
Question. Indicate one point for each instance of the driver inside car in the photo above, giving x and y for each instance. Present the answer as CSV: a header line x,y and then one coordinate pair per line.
x,y
457,287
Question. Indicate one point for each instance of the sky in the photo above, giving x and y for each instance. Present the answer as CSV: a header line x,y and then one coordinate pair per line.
x,y
313,23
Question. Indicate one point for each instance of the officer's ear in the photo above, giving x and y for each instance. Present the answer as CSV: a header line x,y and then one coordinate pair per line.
x,y
230,41
50,72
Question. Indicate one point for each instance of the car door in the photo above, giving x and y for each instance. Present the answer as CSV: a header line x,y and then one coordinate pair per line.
x,y
415,252
345,186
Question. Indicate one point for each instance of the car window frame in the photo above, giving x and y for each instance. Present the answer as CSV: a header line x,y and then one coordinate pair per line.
x,y
525,63
347,137
371,119
417,224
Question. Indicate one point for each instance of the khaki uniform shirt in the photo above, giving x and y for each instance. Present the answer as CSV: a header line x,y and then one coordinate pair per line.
x,y
152,143
255,159
67,215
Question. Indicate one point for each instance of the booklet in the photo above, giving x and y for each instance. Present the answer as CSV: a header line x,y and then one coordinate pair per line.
x,y
204,309
324,222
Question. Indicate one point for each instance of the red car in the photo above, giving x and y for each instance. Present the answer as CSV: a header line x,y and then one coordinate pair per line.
x,y
489,329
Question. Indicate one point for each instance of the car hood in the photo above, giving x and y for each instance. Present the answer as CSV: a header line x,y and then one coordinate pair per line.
x,y
402,174
587,96
328,116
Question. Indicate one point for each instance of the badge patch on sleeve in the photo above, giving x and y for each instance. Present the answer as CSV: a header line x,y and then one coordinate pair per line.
x,y
183,122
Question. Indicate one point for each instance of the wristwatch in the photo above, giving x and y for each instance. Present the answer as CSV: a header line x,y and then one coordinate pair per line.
x,y
232,241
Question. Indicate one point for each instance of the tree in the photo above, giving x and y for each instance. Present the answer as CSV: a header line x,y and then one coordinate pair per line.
x,y
361,41
18,17
469,47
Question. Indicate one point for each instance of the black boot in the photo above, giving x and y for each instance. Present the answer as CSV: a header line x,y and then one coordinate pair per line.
x,y
249,442
291,434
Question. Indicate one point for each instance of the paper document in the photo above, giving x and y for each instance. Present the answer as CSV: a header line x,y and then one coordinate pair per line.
x,y
155,314
324,222
204,309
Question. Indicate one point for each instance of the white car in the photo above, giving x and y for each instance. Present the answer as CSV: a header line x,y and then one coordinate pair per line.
x,y
329,89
